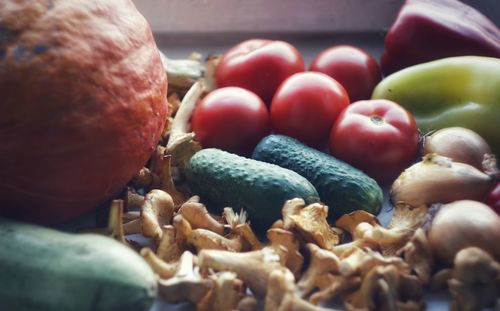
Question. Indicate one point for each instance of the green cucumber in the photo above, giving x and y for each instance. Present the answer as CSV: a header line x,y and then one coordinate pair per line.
x,y
223,179
46,269
340,186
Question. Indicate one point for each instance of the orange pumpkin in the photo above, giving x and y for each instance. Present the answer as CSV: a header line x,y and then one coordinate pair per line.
x,y
82,104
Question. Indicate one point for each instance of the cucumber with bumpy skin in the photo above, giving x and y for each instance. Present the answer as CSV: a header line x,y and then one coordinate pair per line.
x,y
340,186
224,179
46,269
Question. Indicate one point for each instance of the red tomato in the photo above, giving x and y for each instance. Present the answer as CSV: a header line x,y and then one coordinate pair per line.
x,y
377,136
259,66
354,68
493,199
232,119
306,105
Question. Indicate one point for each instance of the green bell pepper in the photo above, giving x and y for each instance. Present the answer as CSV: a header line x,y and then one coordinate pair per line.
x,y
456,91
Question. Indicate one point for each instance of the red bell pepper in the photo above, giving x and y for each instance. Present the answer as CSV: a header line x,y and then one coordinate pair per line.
x,y
493,199
426,30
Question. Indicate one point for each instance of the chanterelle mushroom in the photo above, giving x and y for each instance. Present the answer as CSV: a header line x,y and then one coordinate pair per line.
x,y
475,284
321,262
349,222
253,268
404,222
170,247
226,293
281,282
280,237
386,288
239,226
365,227
181,144
157,210
204,239
282,295
248,303
163,269
163,167
310,222
331,286
418,254
359,261
198,217
187,284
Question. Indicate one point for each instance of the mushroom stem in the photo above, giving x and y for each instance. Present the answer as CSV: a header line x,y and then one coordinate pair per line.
x,y
322,262
239,226
131,215
282,296
253,268
291,207
360,261
476,280
160,267
284,238
310,222
247,303
198,217
180,124
337,284
341,249
132,227
386,286
156,211
204,239
169,247
248,235
186,284
226,293
281,282
162,166
418,254
349,222
365,227
473,265
115,225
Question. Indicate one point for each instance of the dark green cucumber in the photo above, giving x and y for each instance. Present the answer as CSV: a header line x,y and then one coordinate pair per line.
x,y
340,186
223,179
45,269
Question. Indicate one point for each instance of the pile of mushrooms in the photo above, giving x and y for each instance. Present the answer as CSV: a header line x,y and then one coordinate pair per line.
x,y
220,264
216,262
